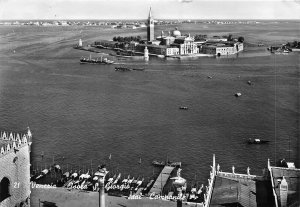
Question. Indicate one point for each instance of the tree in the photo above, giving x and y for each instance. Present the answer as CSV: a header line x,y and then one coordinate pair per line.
x,y
295,44
229,37
241,39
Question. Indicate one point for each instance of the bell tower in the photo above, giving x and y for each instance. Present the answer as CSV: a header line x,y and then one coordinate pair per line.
x,y
150,27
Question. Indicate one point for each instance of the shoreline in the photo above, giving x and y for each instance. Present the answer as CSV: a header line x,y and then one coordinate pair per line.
x,y
252,51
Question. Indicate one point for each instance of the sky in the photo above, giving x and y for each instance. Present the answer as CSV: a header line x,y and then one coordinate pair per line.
x,y
138,9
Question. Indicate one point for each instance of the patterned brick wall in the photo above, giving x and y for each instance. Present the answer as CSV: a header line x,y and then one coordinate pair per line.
x,y
15,165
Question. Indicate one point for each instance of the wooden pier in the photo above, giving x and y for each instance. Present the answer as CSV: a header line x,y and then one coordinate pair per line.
x,y
161,180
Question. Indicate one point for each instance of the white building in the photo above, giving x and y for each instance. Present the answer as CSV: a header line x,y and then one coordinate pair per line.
x,y
171,51
222,48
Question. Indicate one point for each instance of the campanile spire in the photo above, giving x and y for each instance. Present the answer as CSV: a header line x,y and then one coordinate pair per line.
x,y
150,27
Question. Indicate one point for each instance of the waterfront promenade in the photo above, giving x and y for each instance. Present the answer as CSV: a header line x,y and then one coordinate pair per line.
x,y
75,198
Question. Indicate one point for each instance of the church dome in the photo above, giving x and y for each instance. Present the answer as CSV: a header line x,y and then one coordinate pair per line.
x,y
176,32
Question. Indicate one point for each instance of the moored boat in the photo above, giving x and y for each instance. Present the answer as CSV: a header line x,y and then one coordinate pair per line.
x,y
42,174
162,163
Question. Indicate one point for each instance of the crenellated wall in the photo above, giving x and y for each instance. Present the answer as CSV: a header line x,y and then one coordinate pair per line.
x,y
15,165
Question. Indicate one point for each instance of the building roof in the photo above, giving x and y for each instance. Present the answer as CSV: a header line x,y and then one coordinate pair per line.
x,y
156,46
292,177
241,192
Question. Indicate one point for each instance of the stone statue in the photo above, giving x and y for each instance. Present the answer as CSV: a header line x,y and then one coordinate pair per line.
x,y
179,172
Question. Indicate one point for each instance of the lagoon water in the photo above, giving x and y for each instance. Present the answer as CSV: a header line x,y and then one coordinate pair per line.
x,y
80,114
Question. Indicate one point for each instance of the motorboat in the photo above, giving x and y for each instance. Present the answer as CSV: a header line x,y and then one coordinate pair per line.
x,y
257,141
238,94
183,108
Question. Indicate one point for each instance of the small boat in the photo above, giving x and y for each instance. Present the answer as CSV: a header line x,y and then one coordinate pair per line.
x,y
194,189
125,180
135,181
43,173
57,168
200,190
249,82
178,181
162,163
257,141
74,175
66,174
238,94
149,184
138,69
84,176
183,108
138,183
96,61
111,179
117,179
130,181
192,196
158,163
122,69
138,191
209,77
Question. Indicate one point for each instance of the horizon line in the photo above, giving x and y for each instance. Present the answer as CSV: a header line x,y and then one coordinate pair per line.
x,y
158,19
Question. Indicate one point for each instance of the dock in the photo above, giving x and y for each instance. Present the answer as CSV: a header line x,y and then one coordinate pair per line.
x,y
161,180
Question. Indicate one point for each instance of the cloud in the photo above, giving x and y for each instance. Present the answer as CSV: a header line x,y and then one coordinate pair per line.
x,y
185,1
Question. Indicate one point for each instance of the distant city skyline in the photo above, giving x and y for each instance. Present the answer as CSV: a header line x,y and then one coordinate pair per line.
x,y
136,9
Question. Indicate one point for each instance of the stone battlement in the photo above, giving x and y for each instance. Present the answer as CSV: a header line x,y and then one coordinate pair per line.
x,y
11,141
